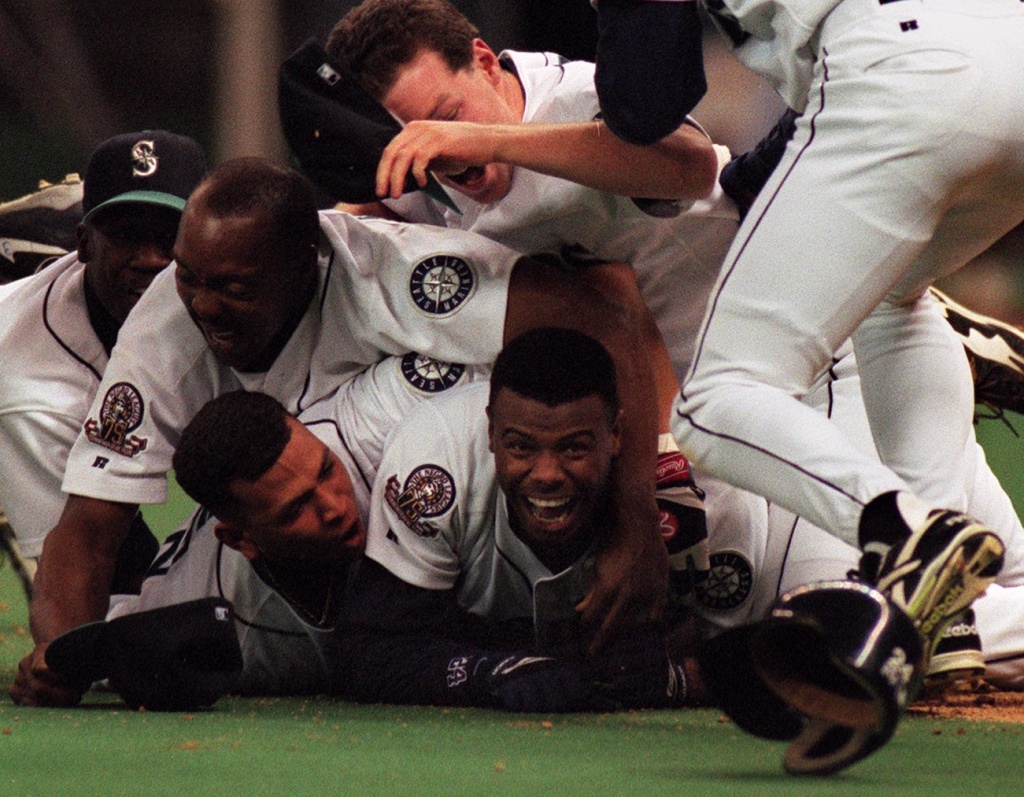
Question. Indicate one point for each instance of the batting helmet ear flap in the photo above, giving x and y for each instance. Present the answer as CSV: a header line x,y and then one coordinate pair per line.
x,y
824,747
727,667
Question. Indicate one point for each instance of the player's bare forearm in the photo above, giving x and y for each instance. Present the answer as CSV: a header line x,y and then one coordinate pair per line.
x,y
79,555
72,587
683,165
631,575
378,209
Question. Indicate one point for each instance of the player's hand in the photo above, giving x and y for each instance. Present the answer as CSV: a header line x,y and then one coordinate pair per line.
x,y
636,671
441,147
35,684
538,684
630,578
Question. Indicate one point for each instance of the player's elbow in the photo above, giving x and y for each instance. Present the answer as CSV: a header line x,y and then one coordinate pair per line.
x,y
691,164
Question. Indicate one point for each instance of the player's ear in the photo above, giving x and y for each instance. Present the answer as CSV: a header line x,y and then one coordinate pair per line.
x,y
232,536
617,434
490,429
485,58
83,235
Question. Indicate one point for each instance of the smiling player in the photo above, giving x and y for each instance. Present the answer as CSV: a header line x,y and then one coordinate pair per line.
x,y
489,506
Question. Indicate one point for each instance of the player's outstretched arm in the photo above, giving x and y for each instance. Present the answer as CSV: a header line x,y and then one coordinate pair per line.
x,y
406,644
683,165
631,576
72,587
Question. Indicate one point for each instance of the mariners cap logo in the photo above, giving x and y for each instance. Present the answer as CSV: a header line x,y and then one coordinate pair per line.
x,y
441,284
144,159
428,375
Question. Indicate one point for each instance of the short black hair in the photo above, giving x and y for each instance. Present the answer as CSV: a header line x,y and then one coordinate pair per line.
x,y
554,366
282,197
237,435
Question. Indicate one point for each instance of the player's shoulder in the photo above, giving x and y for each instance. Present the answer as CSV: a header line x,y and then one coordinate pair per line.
x,y
561,91
449,427
46,306
458,409
13,292
370,245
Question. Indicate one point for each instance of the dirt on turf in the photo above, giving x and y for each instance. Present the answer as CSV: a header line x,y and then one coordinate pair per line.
x,y
977,701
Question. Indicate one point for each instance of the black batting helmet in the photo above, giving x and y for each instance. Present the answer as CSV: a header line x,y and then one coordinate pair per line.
x,y
831,668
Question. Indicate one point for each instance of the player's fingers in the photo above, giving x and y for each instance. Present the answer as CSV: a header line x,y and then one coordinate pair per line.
x,y
383,178
393,166
35,684
611,625
419,172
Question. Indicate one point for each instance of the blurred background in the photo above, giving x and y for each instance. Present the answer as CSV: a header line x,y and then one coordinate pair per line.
x,y
75,72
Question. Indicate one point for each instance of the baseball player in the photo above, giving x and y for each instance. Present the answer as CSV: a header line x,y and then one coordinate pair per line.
x,y
463,113
277,298
486,514
901,169
57,328
283,505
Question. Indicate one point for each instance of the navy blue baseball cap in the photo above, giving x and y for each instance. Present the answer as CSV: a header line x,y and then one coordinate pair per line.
x,y
152,167
336,130
180,657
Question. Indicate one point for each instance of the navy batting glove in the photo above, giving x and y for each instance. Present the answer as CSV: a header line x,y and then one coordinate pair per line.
x,y
538,684
637,672
744,176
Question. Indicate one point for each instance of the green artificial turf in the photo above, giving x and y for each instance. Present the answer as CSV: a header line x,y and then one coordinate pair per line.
x,y
325,747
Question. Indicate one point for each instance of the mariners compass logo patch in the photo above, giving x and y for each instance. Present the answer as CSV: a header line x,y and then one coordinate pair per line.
x,y
429,375
729,583
441,284
120,415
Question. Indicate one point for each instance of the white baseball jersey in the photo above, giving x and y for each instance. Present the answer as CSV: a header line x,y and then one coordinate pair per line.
x,y
52,366
284,650
438,520
385,289
675,248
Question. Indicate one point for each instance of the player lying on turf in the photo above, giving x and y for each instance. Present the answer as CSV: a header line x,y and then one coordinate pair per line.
x,y
268,294
278,530
57,328
464,104
487,513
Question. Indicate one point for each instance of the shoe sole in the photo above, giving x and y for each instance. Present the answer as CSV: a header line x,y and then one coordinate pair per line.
x,y
987,328
949,585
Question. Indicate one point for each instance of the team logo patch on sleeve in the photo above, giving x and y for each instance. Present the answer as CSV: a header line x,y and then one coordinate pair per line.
x,y
729,583
428,492
441,284
120,415
428,375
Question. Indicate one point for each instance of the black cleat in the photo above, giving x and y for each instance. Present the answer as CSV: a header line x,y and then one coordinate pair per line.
x,y
940,569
